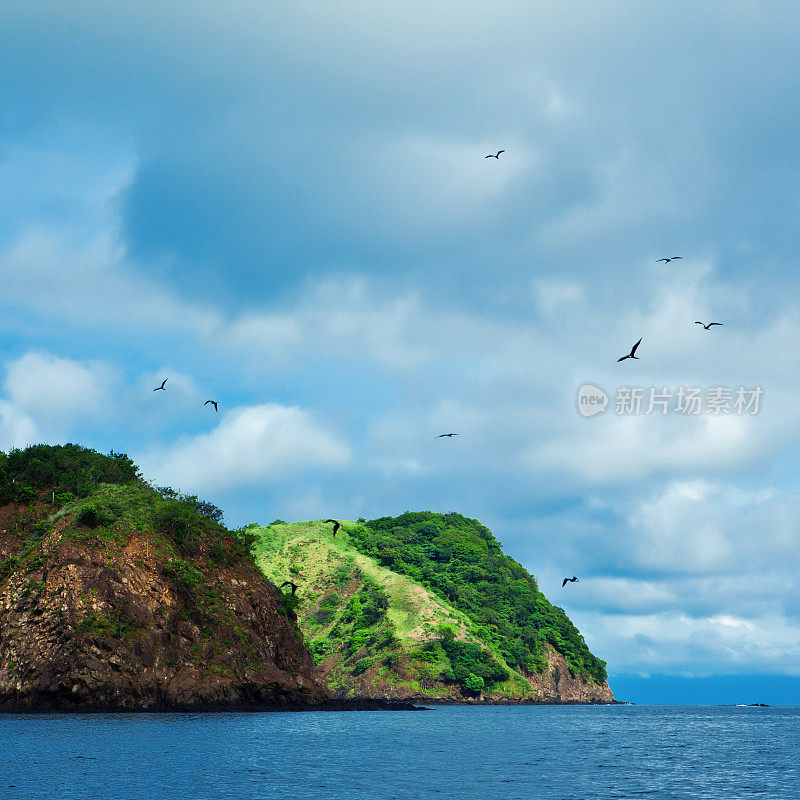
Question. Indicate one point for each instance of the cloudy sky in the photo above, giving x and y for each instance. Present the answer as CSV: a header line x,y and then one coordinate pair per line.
x,y
286,208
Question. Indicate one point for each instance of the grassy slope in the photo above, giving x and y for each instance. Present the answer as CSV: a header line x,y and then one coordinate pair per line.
x,y
400,648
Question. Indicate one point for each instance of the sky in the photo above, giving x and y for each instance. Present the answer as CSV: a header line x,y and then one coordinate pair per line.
x,y
287,208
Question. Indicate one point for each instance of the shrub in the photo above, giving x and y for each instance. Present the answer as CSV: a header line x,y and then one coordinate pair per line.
x,y
180,523
24,494
183,574
290,603
448,675
218,553
7,567
362,665
472,683
324,615
468,658
245,539
391,660
320,649
93,516
343,574
202,507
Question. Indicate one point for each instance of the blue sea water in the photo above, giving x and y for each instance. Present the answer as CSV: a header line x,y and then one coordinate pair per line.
x,y
452,752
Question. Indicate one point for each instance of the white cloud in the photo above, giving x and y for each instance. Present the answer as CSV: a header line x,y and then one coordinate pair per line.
x,y
48,397
55,390
675,643
16,429
42,268
250,445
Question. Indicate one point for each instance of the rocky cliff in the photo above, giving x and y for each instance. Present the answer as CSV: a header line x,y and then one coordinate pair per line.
x,y
124,600
556,684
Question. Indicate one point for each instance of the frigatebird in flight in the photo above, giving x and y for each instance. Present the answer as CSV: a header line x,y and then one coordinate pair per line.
x,y
213,403
289,583
667,260
697,322
496,156
632,352
336,525
159,388
573,579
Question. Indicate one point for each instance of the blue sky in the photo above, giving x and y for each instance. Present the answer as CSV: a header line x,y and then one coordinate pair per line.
x,y
287,209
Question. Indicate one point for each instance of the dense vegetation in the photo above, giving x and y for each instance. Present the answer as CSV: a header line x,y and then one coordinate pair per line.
x,y
60,469
105,503
459,559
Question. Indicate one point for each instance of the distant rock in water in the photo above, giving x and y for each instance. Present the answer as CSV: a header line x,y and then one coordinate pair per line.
x,y
114,595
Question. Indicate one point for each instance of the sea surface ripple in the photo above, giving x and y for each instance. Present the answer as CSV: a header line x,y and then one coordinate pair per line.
x,y
452,752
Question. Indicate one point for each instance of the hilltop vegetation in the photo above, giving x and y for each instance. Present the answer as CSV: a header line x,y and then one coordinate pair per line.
x,y
64,469
425,605
103,501
460,560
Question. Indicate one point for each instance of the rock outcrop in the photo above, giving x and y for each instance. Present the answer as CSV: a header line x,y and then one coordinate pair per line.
x,y
556,685
118,619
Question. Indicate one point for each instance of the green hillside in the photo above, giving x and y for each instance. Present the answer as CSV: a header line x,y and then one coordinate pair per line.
x,y
425,603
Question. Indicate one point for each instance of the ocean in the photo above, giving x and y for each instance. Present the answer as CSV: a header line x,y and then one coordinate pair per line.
x,y
451,752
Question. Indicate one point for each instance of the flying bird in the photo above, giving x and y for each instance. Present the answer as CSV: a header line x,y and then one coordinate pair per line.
x,y
667,260
289,583
213,403
336,525
496,156
441,435
573,579
632,352
697,322
159,388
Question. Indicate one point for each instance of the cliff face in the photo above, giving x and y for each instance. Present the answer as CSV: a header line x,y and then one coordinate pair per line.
x,y
115,617
557,684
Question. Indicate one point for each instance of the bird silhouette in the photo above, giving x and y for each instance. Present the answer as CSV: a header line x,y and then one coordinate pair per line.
x,y
697,322
160,388
213,403
289,583
573,579
336,525
441,435
667,260
632,352
496,156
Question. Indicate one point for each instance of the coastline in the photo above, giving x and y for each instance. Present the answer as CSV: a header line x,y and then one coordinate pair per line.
x,y
333,704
